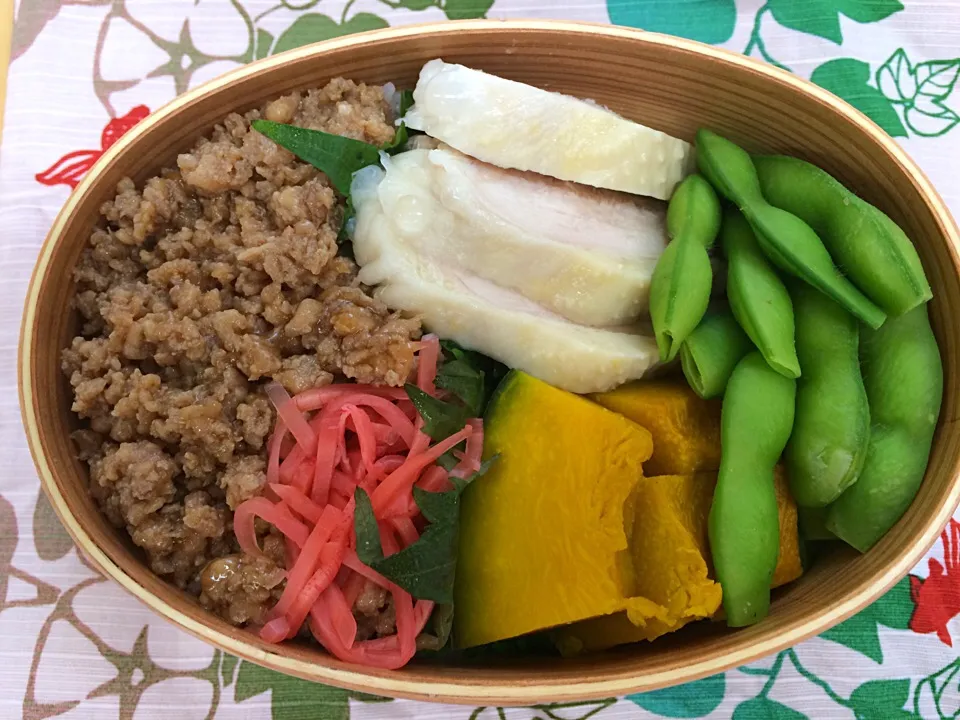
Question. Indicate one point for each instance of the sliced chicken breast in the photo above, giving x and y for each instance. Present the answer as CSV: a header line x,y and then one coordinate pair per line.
x,y
513,125
584,253
481,315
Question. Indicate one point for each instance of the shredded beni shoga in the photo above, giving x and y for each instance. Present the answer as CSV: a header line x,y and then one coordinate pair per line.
x,y
328,442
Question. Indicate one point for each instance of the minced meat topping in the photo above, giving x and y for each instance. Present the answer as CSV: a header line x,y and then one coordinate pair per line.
x,y
197,288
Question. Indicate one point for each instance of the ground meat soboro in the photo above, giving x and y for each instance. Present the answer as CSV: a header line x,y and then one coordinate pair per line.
x,y
196,289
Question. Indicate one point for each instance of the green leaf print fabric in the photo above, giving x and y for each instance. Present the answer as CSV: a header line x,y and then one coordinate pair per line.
x,y
850,80
86,71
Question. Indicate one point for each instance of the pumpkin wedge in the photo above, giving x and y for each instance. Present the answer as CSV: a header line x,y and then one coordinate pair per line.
x,y
671,557
542,536
685,427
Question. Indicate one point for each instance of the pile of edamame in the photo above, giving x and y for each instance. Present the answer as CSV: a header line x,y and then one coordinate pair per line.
x,y
823,354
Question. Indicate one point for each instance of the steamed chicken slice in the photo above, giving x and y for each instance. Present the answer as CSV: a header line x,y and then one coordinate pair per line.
x,y
483,316
514,125
585,254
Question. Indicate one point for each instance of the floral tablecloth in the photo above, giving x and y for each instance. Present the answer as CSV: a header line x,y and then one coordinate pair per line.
x,y
82,72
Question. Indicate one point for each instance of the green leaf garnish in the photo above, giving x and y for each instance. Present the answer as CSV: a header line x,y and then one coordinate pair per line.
x,y
441,419
453,349
491,370
470,378
441,620
369,549
406,101
434,506
337,156
462,483
399,141
448,461
464,381
427,568
349,211
403,133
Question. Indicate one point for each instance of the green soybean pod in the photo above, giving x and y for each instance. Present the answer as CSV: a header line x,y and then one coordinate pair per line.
x,y
680,287
812,523
711,352
694,208
832,426
758,298
785,239
869,247
744,526
903,375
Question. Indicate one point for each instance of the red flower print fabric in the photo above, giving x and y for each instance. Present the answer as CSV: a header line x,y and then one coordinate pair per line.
x,y
70,169
937,598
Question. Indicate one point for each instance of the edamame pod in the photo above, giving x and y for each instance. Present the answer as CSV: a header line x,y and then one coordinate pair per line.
x,y
812,523
870,248
744,527
711,352
832,424
903,376
680,287
790,243
694,208
758,298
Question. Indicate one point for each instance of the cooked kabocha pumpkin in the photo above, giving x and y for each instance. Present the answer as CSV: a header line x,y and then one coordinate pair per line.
x,y
671,558
542,536
789,566
685,428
